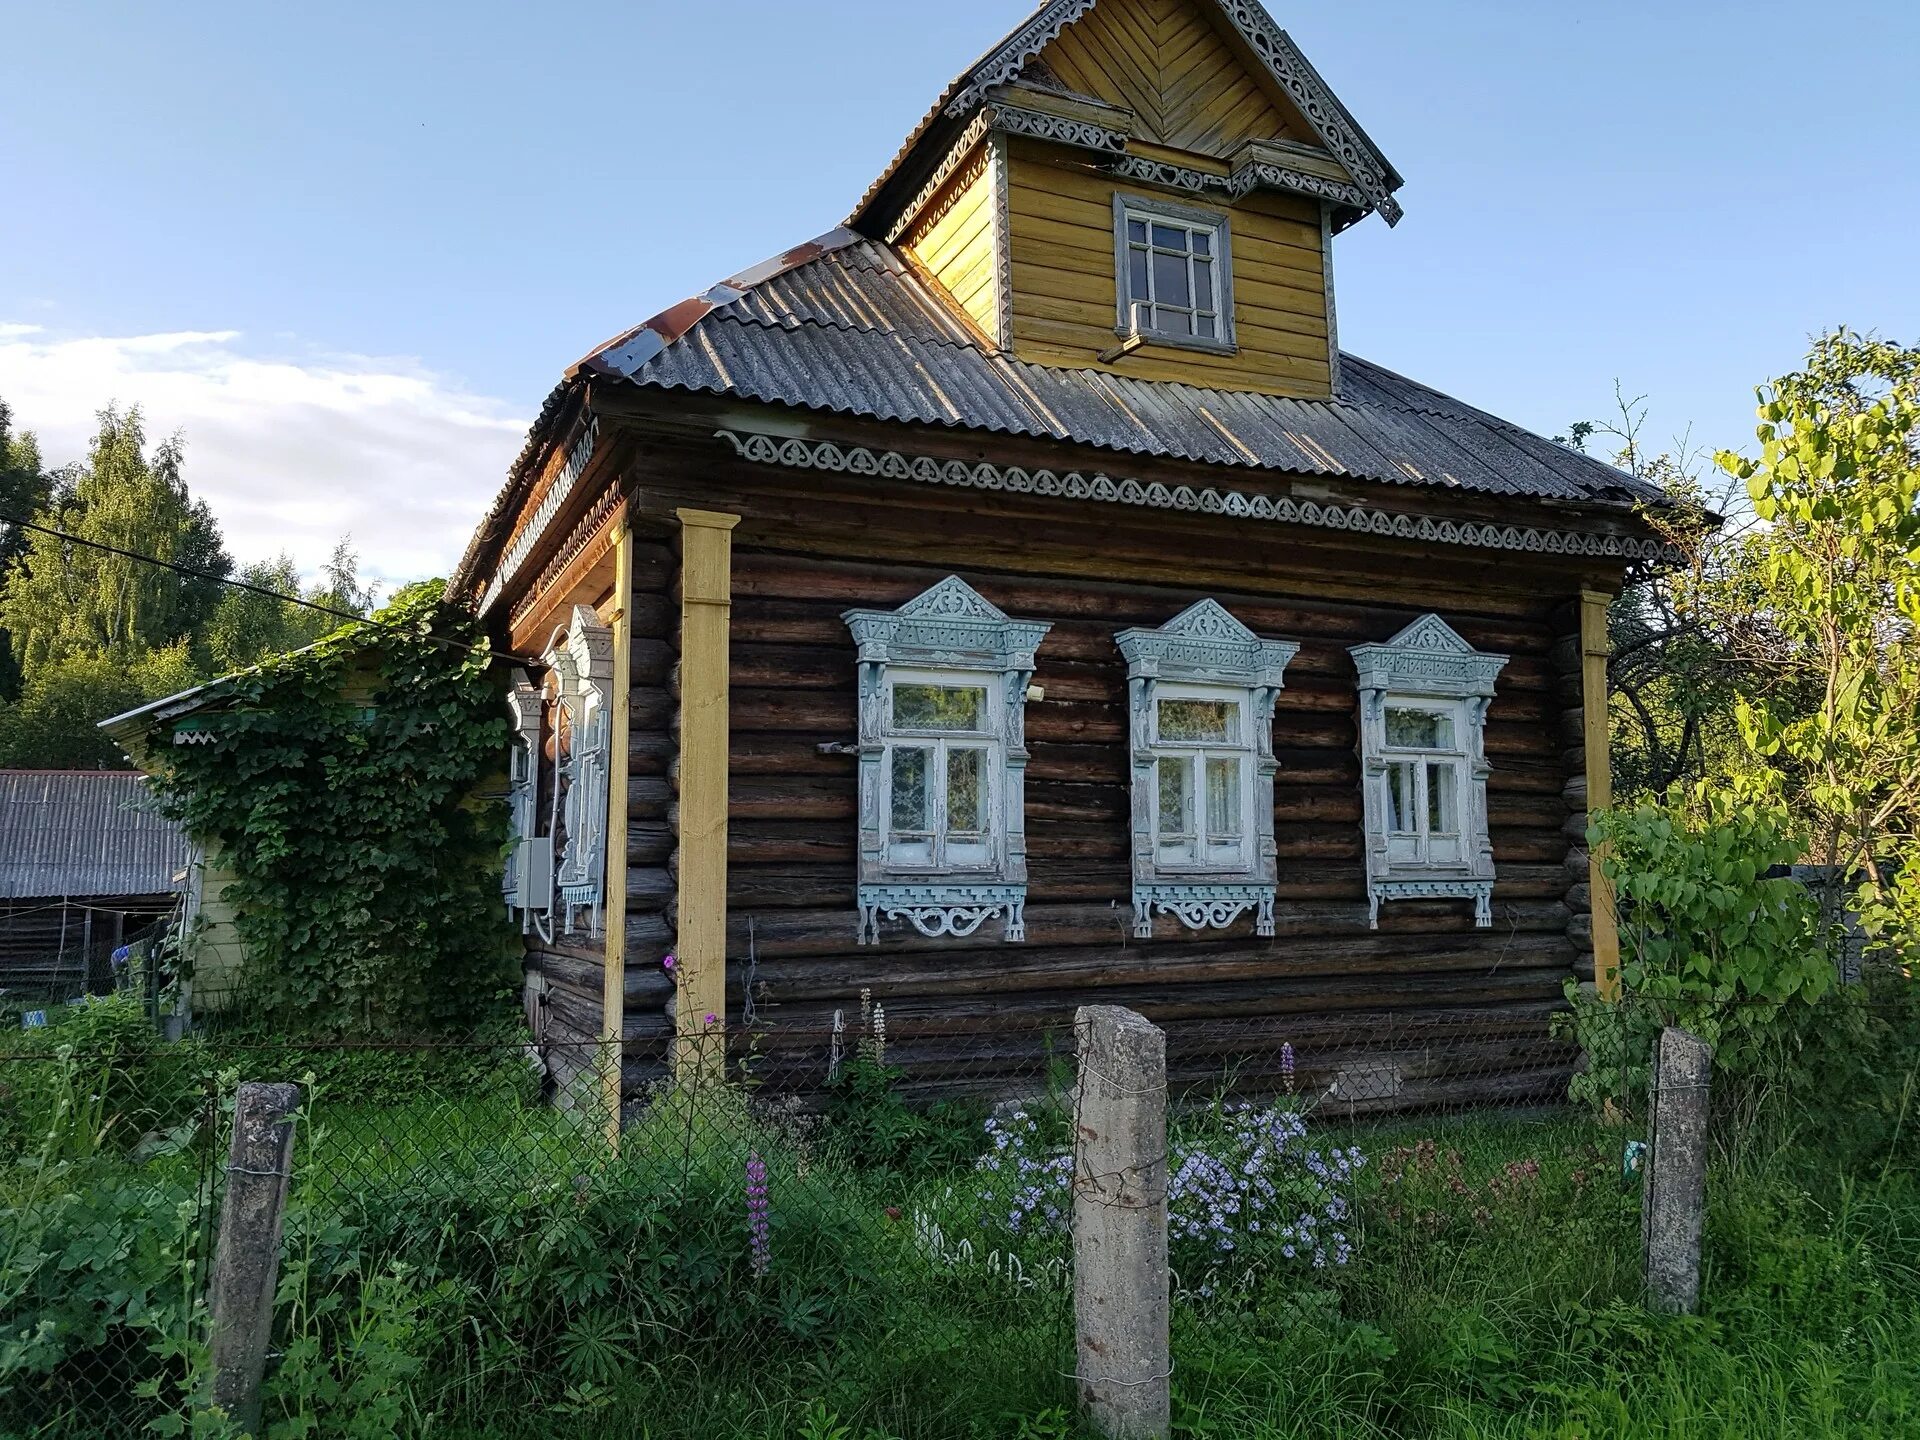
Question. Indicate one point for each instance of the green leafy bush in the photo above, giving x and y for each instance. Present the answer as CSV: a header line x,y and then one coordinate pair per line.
x,y
1711,938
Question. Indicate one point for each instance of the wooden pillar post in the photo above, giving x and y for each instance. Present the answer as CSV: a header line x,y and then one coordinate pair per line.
x,y
1674,1200
613,995
706,604
1595,650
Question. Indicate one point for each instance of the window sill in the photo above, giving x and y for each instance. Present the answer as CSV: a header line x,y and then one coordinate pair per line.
x,y
1154,339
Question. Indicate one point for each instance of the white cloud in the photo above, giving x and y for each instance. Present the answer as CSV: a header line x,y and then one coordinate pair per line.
x,y
291,453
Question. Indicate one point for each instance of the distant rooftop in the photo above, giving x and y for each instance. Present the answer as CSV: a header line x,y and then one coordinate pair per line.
x,y
71,833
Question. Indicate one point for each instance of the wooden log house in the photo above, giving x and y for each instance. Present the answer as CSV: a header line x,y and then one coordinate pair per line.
x,y
1015,598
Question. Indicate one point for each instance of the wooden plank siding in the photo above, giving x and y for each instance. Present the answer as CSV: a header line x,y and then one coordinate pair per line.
x,y
1060,217
1169,62
800,561
954,242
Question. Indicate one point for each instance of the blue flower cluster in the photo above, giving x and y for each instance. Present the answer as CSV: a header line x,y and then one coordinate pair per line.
x,y
1263,1181
1022,1186
1255,1179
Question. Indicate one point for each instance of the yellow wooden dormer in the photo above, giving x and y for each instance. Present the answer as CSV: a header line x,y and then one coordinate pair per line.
x,y
1147,187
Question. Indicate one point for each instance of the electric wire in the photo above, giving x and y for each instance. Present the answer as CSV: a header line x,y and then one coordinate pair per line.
x,y
194,571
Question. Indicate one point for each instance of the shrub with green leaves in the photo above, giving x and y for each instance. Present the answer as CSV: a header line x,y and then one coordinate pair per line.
x,y
1713,944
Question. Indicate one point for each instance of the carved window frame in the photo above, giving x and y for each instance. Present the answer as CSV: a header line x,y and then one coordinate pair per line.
x,y
1204,652
949,635
1427,666
557,871
1190,218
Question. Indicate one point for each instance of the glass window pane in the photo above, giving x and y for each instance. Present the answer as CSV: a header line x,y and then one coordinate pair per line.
x,y
1137,231
939,707
1203,242
1203,284
910,791
1223,800
1175,798
1137,275
1443,801
1170,280
1167,237
1400,800
1417,729
1196,720
1207,326
966,792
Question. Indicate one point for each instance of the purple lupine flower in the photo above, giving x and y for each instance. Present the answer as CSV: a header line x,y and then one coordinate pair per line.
x,y
1286,1065
759,1229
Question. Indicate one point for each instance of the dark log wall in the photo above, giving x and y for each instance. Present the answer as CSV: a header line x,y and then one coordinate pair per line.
x,y
568,977
806,552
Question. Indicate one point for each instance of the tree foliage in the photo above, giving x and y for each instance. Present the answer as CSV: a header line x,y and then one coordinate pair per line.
x,y
86,633
337,787
1823,603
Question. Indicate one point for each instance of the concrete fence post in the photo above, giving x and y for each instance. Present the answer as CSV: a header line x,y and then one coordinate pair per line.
x,y
1674,1197
246,1258
1120,1281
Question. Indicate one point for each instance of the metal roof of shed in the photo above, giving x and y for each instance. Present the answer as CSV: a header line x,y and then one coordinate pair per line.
x,y
85,833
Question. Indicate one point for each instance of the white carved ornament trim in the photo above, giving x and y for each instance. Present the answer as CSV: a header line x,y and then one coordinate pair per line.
x,y
955,158
1020,47
536,525
1428,660
796,454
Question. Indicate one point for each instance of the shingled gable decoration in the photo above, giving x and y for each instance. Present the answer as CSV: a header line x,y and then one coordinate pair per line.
x,y
1025,560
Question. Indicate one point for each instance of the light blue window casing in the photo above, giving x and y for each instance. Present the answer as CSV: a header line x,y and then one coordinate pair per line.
x,y
1424,697
943,758
1201,691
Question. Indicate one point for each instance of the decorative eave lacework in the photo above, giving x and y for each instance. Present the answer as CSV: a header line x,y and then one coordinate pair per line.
x,y
943,172
1253,175
543,513
1024,45
1324,113
797,454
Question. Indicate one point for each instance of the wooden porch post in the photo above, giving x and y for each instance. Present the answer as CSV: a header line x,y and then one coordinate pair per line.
x,y
613,995
1595,650
706,603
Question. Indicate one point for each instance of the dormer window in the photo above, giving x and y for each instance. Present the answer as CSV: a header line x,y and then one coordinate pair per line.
x,y
1175,279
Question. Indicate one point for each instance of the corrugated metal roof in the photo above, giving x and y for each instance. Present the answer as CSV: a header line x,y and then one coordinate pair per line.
x,y
855,331
84,833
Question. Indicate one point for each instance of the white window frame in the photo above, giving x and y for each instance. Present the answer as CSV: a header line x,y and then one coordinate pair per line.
x,y
1203,653
990,741
950,635
1427,667
1197,755
1129,318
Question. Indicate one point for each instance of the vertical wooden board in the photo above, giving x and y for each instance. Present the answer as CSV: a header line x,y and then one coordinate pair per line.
x,y
613,1001
706,598
1595,650
955,241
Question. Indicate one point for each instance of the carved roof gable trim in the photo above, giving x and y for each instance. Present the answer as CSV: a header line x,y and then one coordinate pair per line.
x,y
1272,46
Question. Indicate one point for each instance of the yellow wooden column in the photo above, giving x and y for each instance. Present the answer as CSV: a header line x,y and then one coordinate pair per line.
x,y
1595,650
706,604
613,995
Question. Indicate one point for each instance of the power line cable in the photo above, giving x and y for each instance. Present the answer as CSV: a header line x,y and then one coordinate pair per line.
x,y
198,574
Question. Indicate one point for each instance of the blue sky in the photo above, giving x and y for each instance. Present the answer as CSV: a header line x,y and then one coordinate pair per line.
x,y
348,248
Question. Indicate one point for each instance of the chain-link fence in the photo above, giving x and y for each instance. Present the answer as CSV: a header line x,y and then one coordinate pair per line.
x,y
851,1229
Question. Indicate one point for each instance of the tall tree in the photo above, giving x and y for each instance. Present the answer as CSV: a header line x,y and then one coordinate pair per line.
x,y
65,600
24,490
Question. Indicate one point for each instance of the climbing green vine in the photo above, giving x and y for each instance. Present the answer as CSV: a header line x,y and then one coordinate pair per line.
x,y
340,787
